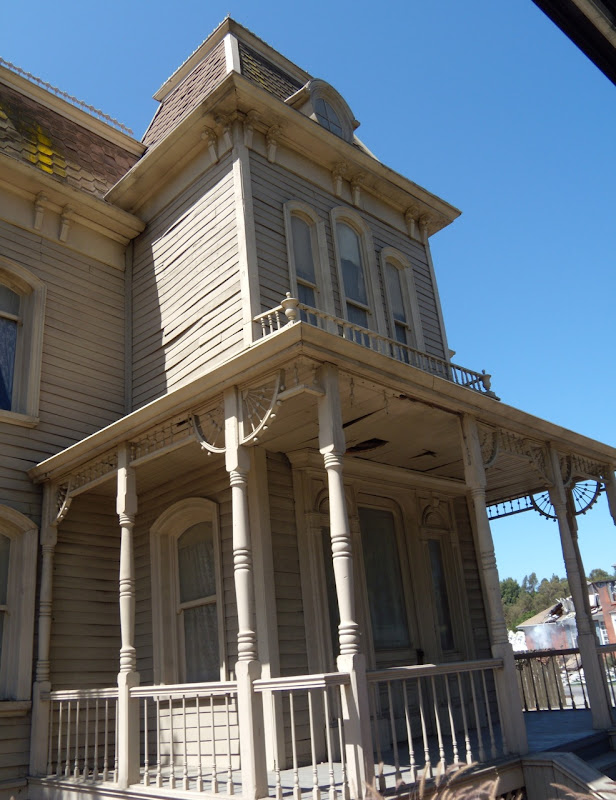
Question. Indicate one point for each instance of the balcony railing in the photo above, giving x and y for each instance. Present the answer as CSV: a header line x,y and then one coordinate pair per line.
x,y
291,311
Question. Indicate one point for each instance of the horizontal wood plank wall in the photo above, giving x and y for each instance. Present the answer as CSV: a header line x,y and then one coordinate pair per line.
x,y
287,579
85,632
14,750
209,480
272,187
472,580
82,379
186,289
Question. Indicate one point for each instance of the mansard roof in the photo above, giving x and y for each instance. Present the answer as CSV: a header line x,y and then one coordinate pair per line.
x,y
87,155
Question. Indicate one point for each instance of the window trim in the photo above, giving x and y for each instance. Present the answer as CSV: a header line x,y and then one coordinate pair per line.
x,y
18,634
169,666
324,289
376,316
29,350
389,255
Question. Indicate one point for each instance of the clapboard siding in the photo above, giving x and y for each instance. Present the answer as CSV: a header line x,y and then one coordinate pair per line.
x,y
287,578
472,580
82,378
272,187
186,290
85,634
14,748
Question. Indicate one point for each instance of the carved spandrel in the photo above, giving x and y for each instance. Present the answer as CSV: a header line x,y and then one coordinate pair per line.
x,y
489,443
208,426
170,432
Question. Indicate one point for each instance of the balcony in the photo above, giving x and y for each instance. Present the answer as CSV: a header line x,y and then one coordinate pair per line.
x,y
291,311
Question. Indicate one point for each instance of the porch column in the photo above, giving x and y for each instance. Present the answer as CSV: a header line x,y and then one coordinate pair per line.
x,y
248,667
128,677
587,641
512,717
356,711
42,684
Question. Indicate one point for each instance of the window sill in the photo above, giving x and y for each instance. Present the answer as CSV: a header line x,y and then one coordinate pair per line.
x,y
14,708
14,418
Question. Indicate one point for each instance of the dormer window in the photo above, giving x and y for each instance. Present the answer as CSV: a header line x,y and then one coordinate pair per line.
x,y
320,101
327,117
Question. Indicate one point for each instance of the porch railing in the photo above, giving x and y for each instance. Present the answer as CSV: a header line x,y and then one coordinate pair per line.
x,y
291,310
308,753
430,717
551,680
189,736
82,735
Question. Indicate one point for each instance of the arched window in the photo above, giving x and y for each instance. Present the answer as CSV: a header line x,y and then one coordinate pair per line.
x,y
357,272
186,594
402,306
18,544
307,253
22,300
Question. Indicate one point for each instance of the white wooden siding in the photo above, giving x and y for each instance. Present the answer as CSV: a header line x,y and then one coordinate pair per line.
x,y
186,289
272,187
82,378
85,633
14,749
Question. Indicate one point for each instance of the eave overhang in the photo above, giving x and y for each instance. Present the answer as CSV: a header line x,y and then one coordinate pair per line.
x,y
237,95
27,181
283,348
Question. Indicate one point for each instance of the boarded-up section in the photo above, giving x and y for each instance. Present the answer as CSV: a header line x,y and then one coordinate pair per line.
x,y
472,580
82,379
85,635
272,187
186,290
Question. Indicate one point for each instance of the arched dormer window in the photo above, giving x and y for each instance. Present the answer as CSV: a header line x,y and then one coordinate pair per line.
x,y
357,272
401,299
22,303
307,254
319,100
187,604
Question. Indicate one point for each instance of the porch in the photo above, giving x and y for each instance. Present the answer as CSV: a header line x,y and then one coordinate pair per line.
x,y
310,508
424,721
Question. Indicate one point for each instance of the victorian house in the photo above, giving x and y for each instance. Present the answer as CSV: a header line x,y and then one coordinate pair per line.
x,y
245,493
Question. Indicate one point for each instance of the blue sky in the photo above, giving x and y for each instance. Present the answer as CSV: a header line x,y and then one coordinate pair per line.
x,y
485,103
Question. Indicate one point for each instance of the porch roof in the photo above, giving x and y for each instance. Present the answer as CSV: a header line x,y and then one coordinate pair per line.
x,y
379,396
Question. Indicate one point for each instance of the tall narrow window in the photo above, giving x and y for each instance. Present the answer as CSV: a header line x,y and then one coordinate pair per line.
x,y
187,606
197,603
352,267
385,590
303,253
441,598
401,301
9,322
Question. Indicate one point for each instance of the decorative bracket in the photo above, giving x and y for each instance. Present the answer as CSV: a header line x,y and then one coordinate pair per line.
x,y
216,429
40,204
209,136
66,219
259,407
272,138
249,127
339,173
64,500
411,216
356,186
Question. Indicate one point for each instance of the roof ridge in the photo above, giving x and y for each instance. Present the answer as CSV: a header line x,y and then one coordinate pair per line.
x,y
74,101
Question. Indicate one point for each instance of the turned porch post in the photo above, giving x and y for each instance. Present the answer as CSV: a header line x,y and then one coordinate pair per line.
x,y
356,712
512,717
42,684
128,708
587,641
248,667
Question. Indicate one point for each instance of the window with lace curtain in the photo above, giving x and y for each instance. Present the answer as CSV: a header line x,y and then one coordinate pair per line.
x,y
187,608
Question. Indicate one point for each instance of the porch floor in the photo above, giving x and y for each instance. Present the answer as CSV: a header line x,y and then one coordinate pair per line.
x,y
547,730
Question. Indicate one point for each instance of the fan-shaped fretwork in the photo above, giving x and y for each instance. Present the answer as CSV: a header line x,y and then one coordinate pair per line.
x,y
585,495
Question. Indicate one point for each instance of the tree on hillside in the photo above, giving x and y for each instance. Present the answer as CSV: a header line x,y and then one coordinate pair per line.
x,y
520,602
598,575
